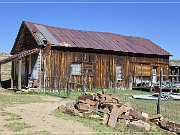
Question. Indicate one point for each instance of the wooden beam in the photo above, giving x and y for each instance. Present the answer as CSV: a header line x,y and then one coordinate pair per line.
x,y
19,74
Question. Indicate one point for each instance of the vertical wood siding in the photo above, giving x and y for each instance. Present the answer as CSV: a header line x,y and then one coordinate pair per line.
x,y
101,68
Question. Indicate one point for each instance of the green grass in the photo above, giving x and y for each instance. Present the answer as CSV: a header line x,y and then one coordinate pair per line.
x,y
104,129
17,126
9,98
13,116
170,109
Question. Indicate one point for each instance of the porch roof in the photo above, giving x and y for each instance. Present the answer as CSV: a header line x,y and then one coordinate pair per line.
x,y
19,55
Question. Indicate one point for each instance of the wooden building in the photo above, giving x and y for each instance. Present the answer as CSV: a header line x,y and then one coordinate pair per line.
x,y
45,56
174,67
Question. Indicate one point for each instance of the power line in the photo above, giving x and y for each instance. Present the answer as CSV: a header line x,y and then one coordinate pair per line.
x,y
91,2
7,33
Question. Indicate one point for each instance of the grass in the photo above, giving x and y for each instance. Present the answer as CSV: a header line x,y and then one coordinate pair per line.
x,y
17,126
169,109
13,116
8,98
104,129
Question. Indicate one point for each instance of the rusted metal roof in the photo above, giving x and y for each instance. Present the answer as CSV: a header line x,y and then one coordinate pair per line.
x,y
99,40
19,55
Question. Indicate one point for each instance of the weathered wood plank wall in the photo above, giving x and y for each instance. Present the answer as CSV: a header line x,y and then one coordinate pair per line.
x,y
101,68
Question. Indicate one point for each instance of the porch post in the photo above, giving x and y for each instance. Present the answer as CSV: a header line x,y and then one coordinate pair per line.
x,y
0,75
12,74
19,74
29,64
40,67
29,72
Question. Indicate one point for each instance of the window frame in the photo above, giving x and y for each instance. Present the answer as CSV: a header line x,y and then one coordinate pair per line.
x,y
76,68
119,67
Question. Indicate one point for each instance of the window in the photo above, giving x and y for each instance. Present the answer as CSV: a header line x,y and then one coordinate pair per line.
x,y
118,72
75,69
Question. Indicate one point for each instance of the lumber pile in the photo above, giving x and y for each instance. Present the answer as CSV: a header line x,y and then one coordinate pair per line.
x,y
107,108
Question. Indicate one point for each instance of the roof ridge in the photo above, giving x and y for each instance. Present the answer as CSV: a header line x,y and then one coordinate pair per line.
x,y
82,30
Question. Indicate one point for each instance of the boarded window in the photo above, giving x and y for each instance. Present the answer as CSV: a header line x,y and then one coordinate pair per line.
x,y
75,69
118,72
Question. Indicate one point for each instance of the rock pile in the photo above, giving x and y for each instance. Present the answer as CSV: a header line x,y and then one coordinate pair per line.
x,y
107,108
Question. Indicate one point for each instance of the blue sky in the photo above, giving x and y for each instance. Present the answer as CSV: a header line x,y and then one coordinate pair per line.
x,y
159,22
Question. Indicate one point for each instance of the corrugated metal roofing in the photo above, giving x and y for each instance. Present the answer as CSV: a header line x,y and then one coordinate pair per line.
x,y
100,40
19,55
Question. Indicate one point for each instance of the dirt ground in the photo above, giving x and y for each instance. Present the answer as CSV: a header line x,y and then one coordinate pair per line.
x,y
38,116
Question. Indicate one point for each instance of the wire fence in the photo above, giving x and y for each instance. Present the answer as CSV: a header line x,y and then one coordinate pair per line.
x,y
170,109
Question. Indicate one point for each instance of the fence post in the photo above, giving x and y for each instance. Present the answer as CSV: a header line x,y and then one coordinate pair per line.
x,y
84,81
160,91
59,85
69,85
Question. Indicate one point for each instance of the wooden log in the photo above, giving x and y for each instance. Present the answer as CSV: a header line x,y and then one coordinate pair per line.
x,y
137,115
113,116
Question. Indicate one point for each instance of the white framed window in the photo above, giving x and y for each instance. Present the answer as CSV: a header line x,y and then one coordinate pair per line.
x,y
118,72
75,69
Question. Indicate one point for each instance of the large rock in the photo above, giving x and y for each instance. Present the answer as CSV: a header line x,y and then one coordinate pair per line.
x,y
113,116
